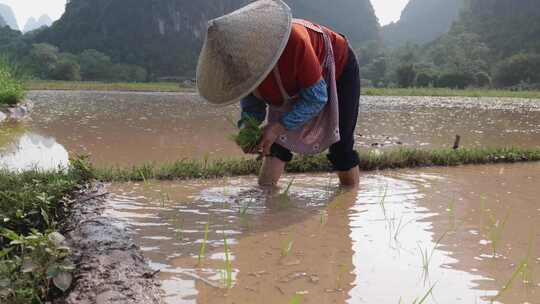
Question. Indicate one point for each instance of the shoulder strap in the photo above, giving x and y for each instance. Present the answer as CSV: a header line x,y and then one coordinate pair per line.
x,y
314,27
282,90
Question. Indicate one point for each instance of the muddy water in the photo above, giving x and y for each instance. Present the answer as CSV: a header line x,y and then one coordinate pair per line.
x,y
477,228
127,128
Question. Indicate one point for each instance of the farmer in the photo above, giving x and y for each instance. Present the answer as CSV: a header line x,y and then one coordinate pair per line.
x,y
301,77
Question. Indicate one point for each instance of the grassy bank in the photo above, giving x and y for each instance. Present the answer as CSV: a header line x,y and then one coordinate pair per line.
x,y
400,158
175,87
33,256
11,87
442,92
103,86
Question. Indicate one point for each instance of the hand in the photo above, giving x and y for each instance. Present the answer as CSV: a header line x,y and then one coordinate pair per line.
x,y
270,134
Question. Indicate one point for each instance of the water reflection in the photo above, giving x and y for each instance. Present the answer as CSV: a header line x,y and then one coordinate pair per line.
x,y
362,247
33,151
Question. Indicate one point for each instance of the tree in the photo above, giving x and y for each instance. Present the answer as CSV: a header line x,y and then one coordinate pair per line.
x,y
517,69
376,71
43,59
406,75
455,80
128,73
94,65
66,69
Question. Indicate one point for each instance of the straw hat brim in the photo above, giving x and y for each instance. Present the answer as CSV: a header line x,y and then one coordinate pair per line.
x,y
241,49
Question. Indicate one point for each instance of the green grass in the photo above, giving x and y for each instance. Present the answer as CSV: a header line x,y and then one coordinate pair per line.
x,y
392,159
11,86
105,86
442,92
33,204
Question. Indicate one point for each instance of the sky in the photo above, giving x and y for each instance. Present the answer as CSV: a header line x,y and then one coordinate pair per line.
x,y
386,10
25,9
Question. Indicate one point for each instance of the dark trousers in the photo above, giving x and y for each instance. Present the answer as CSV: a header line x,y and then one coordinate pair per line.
x,y
342,154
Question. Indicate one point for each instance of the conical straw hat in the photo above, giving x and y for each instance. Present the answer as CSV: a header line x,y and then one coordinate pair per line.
x,y
241,49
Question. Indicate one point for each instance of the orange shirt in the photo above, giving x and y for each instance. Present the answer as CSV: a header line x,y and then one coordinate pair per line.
x,y
300,63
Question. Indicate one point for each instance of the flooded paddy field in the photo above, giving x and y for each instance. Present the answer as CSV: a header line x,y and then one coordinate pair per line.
x,y
467,232
132,128
447,235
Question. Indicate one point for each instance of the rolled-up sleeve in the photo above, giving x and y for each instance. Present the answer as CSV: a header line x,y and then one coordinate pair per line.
x,y
312,101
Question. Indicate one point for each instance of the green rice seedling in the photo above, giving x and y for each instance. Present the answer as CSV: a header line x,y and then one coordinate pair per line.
x,y
424,298
202,250
451,214
427,256
146,183
227,269
383,199
179,233
250,135
284,200
286,248
495,227
164,198
323,214
523,269
297,299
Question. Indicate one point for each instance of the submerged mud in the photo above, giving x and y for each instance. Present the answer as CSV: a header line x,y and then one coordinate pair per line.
x,y
110,267
474,225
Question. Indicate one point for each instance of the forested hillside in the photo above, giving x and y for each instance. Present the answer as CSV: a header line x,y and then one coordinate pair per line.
x,y
165,36
422,21
506,26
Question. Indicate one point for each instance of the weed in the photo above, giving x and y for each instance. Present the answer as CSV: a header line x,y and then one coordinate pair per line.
x,y
202,250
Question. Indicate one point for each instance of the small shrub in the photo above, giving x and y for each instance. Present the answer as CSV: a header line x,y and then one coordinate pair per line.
x,y
426,79
11,88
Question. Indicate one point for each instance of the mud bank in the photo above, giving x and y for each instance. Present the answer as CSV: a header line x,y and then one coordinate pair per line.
x,y
17,112
110,267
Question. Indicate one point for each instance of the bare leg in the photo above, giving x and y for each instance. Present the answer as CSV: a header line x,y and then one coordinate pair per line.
x,y
271,170
349,178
